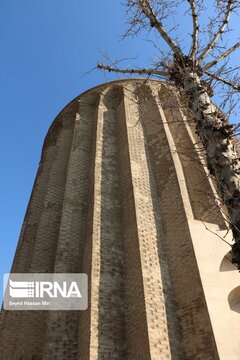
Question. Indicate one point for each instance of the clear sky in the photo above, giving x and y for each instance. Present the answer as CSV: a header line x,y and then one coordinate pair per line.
x,y
45,48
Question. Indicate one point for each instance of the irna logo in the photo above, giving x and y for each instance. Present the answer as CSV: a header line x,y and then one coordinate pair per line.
x,y
40,289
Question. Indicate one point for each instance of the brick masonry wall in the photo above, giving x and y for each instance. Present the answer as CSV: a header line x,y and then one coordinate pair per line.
x,y
107,200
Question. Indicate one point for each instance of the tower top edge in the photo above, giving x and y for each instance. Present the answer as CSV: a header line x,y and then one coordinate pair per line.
x,y
72,107
110,83
120,81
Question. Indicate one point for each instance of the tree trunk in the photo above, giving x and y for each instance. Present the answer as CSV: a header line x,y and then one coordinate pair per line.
x,y
223,160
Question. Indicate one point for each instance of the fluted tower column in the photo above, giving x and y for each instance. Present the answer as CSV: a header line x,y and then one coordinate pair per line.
x,y
122,195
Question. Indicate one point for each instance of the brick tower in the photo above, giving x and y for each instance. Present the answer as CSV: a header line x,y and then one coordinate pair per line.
x,y
122,194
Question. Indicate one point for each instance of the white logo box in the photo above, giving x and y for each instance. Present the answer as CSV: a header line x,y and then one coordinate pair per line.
x,y
45,291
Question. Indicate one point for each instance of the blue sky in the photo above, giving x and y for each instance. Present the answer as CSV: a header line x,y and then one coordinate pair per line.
x,y
46,47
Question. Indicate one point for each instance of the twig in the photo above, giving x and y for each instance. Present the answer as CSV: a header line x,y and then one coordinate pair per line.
x,y
195,29
222,56
132,71
221,29
216,234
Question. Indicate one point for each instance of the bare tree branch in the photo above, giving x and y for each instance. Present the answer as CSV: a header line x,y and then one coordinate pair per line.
x,y
222,56
195,29
193,79
213,232
221,29
133,71
225,81
154,22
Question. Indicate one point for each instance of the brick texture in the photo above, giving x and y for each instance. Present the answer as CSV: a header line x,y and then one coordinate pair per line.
x,y
118,181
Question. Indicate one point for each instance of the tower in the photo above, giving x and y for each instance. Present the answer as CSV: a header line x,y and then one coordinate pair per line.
x,y
122,194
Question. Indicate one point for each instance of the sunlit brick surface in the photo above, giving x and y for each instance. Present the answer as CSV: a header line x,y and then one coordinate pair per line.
x,y
119,191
